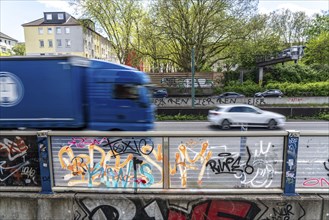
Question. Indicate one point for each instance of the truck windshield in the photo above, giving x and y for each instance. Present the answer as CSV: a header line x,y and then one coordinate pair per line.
x,y
126,91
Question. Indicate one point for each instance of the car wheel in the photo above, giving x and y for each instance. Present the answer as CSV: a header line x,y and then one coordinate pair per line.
x,y
226,125
271,124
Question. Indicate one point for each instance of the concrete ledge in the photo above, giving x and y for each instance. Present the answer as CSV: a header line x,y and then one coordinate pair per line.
x,y
161,206
287,111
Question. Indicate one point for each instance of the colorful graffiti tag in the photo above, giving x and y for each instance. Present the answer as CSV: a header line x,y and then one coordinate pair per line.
x,y
111,162
19,165
138,163
184,209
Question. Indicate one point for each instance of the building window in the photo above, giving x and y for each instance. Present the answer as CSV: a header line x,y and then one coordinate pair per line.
x,y
58,30
40,30
59,43
67,30
50,30
49,16
68,43
42,43
50,43
60,16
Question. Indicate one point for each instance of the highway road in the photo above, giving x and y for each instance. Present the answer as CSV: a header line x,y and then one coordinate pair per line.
x,y
205,126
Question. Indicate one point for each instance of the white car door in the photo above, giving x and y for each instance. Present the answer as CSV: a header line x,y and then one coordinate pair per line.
x,y
254,116
237,115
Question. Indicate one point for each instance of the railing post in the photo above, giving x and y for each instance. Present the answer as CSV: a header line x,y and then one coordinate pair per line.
x,y
44,162
290,167
166,163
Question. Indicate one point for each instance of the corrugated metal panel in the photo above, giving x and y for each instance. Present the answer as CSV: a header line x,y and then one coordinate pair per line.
x,y
110,164
224,163
313,163
231,164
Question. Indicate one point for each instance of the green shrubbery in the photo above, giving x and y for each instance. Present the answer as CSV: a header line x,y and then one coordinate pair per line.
x,y
248,88
180,117
292,80
297,73
302,89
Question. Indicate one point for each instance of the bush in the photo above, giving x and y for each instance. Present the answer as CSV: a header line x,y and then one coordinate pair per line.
x,y
302,89
295,73
248,88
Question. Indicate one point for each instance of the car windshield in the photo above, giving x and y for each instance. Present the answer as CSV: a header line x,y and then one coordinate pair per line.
x,y
257,110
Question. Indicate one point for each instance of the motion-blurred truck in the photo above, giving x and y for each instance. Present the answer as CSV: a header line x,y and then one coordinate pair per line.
x,y
69,92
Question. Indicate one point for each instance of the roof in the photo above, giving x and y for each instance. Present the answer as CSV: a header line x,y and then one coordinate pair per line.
x,y
40,22
2,35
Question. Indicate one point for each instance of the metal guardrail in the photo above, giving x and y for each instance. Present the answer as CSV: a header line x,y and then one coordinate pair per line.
x,y
227,162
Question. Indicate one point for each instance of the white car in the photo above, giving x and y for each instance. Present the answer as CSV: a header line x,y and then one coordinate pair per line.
x,y
236,115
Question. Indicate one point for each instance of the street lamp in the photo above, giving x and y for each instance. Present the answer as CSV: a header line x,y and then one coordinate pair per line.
x,y
193,72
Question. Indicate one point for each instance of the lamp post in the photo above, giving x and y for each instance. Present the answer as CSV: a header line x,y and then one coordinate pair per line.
x,y
193,72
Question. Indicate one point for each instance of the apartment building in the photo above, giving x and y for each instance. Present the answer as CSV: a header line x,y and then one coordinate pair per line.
x,y
59,33
7,43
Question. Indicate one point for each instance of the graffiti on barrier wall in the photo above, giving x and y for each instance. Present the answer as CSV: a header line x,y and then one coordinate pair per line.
x,y
205,101
19,164
113,162
136,162
322,181
160,209
313,163
250,168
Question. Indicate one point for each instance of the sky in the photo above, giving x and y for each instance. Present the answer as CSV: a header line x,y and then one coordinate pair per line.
x,y
14,13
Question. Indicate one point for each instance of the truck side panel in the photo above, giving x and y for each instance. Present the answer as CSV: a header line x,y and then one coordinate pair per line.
x,y
48,93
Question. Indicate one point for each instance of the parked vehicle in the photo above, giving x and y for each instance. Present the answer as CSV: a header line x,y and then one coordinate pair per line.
x,y
231,95
236,115
73,92
160,93
270,93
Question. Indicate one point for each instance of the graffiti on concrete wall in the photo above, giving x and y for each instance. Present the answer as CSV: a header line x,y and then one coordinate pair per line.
x,y
184,209
186,82
19,164
204,101
110,162
285,210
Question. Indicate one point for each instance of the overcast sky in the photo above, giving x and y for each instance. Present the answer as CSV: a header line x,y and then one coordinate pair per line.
x,y
14,13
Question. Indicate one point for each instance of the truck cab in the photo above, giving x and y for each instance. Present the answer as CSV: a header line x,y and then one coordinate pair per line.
x,y
118,98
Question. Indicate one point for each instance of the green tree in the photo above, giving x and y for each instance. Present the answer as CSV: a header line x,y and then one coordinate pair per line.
x,y
317,50
208,26
261,41
5,54
290,26
19,49
118,18
320,23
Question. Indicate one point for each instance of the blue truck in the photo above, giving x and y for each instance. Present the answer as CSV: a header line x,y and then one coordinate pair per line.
x,y
70,92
